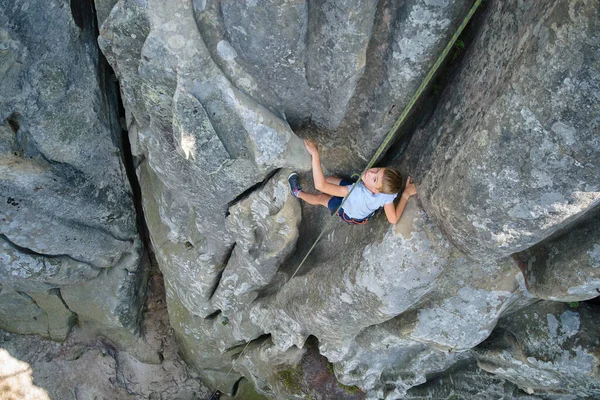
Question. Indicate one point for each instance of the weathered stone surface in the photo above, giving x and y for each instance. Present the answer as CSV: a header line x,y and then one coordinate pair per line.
x,y
210,88
566,268
350,290
384,360
60,318
40,313
103,8
511,154
67,212
458,312
265,229
31,272
548,348
120,302
283,53
20,313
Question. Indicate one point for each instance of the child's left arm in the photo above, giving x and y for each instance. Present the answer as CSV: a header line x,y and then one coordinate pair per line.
x,y
392,212
321,184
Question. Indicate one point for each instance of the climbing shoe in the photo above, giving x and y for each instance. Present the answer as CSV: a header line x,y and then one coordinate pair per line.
x,y
295,187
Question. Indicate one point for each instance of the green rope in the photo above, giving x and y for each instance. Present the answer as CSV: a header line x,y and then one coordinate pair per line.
x,y
392,132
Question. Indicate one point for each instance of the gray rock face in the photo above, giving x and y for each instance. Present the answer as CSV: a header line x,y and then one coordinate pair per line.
x,y
548,348
348,67
567,268
67,212
265,229
372,287
210,88
516,130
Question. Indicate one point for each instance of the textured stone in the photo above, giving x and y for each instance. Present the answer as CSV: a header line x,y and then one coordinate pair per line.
x,y
566,268
265,229
40,313
210,87
67,212
335,303
519,141
19,313
547,348
60,318
385,361
458,312
31,272
119,303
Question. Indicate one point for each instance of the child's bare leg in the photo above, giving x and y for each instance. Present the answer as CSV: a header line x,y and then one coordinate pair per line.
x,y
333,179
315,199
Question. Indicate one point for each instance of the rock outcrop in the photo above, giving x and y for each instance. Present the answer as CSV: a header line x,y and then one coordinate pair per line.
x,y
69,238
511,155
548,347
455,299
212,91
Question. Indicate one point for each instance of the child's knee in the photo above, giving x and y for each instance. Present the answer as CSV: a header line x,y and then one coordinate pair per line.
x,y
324,199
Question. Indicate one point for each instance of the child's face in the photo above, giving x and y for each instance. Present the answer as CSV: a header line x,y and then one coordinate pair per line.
x,y
373,179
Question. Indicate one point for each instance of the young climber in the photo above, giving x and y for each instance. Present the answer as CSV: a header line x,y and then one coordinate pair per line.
x,y
378,188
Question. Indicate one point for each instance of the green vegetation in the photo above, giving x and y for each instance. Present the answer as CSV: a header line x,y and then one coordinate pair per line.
x,y
348,389
573,304
291,379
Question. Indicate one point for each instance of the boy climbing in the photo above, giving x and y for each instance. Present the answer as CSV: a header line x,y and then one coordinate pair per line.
x,y
378,188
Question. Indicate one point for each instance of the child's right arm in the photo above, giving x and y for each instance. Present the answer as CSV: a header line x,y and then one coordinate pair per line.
x,y
321,183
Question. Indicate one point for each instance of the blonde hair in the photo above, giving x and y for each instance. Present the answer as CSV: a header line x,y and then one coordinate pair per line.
x,y
392,181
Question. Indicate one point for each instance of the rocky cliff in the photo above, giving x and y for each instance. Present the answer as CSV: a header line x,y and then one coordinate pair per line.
x,y
468,290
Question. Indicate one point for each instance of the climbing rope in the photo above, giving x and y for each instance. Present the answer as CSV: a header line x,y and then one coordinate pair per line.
x,y
392,132
231,369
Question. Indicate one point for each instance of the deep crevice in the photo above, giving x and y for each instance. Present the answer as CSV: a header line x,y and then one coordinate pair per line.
x,y
242,346
253,188
84,15
30,252
220,274
14,121
235,387
213,316
426,105
114,111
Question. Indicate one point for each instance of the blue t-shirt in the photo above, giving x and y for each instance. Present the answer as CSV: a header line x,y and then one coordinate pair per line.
x,y
361,203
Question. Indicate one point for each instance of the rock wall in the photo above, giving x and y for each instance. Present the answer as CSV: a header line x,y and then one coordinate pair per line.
x,y
70,246
518,131
213,91
217,96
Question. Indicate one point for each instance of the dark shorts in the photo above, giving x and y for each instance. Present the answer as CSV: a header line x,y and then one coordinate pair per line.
x,y
335,202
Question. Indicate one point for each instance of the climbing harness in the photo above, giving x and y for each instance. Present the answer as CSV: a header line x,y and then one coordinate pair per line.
x,y
392,132
390,135
350,220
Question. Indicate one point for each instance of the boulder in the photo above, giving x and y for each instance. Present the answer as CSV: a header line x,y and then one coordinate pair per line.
x,y
456,313
566,268
68,219
355,286
511,154
346,67
546,348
